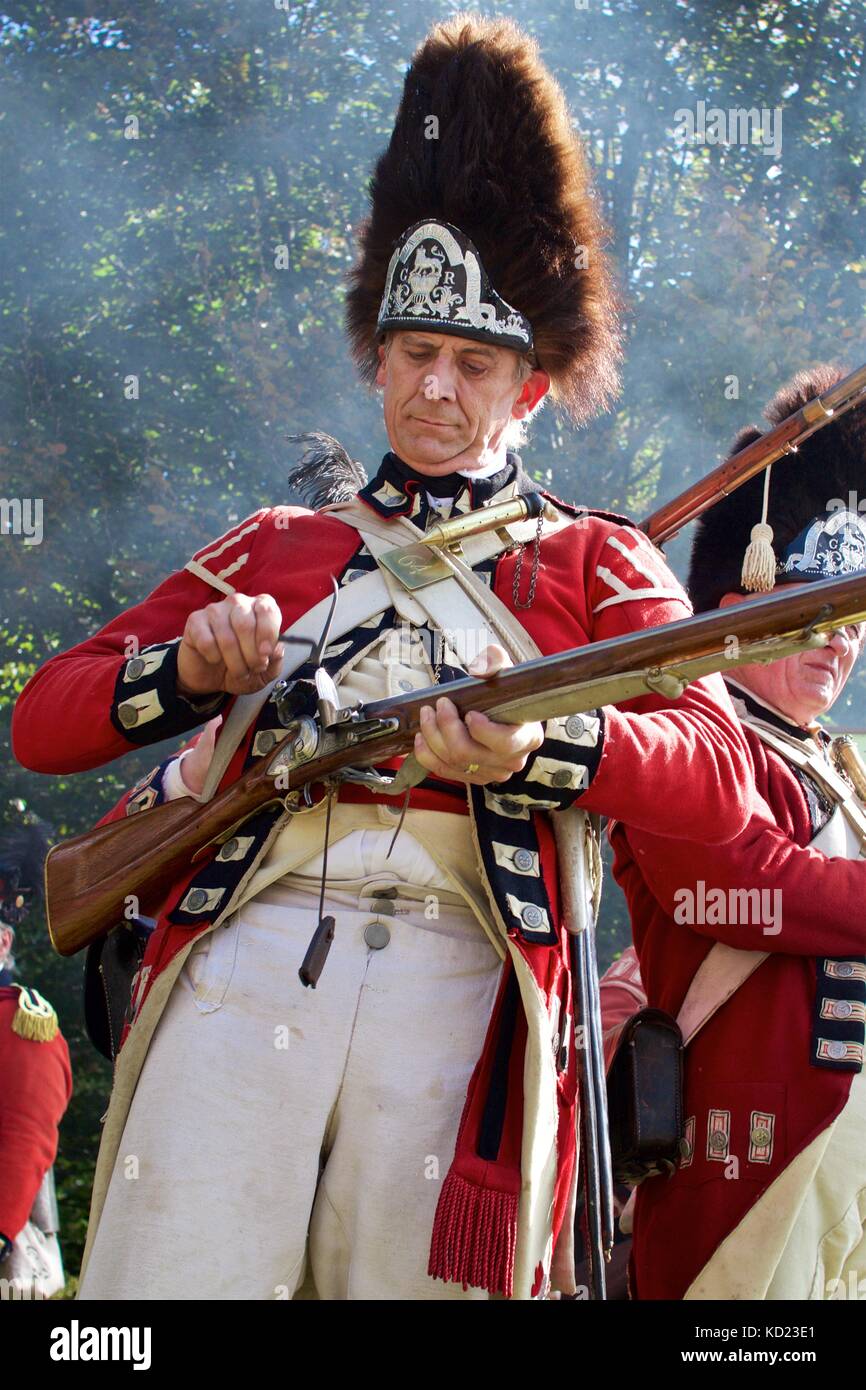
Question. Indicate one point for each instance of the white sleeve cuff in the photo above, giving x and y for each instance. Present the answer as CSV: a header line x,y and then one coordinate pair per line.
x,y
173,784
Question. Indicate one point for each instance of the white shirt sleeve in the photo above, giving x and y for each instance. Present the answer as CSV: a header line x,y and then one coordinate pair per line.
x,y
173,784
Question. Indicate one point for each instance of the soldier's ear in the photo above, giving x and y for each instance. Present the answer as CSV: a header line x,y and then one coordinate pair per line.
x,y
381,370
535,387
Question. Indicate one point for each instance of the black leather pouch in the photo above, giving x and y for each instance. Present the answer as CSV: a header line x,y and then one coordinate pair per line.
x,y
109,969
645,1097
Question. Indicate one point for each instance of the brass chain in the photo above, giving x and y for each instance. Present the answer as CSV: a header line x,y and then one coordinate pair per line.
x,y
533,577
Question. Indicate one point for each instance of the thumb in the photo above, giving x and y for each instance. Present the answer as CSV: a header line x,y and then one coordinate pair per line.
x,y
489,662
210,730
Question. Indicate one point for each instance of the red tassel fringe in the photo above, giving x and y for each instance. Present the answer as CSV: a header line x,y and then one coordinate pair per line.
x,y
474,1236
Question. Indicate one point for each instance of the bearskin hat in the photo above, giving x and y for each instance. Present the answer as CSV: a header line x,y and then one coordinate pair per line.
x,y
483,142
827,467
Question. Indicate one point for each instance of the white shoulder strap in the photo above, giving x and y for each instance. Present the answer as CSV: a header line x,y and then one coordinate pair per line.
x,y
725,968
828,779
463,605
719,975
357,602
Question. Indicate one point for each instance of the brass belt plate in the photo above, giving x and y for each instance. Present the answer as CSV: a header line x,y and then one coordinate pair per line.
x,y
416,566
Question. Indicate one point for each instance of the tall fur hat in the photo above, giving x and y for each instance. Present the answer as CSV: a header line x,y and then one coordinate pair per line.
x,y
506,169
818,479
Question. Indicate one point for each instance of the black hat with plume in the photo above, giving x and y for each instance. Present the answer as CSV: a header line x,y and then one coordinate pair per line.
x,y
804,523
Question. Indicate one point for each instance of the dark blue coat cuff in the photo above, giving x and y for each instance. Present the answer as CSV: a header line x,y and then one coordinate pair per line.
x,y
558,773
147,707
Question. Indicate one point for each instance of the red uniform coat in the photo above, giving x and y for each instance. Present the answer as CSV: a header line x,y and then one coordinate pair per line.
x,y
754,1057
35,1088
598,578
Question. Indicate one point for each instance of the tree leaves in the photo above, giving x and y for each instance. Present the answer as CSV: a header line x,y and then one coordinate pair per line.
x,y
154,356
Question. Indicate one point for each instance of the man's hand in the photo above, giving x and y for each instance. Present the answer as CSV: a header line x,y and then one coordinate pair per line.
x,y
449,746
195,762
230,646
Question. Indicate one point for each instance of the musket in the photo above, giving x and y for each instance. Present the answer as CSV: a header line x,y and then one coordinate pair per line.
x,y
662,525
91,878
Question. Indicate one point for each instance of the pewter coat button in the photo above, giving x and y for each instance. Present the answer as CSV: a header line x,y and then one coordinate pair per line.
x,y
228,849
377,935
760,1136
128,716
405,685
837,1050
135,668
523,860
718,1140
196,899
532,916
844,1008
391,892
385,908
845,968
511,808
561,778
574,726
267,740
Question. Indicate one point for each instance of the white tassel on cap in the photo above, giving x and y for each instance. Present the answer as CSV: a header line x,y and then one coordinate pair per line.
x,y
759,561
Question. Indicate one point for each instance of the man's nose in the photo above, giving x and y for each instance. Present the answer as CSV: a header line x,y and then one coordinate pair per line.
x,y
841,639
445,373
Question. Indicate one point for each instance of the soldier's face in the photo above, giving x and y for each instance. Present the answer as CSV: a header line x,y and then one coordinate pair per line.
x,y
447,400
809,683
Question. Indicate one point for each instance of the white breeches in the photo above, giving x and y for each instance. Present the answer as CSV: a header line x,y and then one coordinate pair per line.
x,y
275,1127
825,1253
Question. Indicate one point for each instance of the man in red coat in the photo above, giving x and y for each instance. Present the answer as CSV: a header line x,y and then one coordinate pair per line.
x,y
767,1201
257,1129
35,1089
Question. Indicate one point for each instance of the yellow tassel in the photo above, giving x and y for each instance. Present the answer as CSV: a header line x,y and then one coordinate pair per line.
x,y
759,561
34,1019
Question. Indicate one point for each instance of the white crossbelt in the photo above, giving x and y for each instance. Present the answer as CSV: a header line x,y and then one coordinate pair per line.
x,y
725,968
356,603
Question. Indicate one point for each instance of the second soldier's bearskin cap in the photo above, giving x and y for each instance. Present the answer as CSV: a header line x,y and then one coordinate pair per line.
x,y
487,174
825,478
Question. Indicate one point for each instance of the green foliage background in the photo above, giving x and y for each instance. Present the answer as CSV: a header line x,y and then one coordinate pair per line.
x,y
159,154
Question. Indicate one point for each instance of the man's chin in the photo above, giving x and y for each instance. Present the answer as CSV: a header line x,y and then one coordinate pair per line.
x,y
418,449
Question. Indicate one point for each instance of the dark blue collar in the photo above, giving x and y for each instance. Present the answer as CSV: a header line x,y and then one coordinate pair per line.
x,y
399,490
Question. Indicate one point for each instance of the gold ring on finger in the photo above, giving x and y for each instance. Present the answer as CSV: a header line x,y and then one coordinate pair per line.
x,y
471,768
